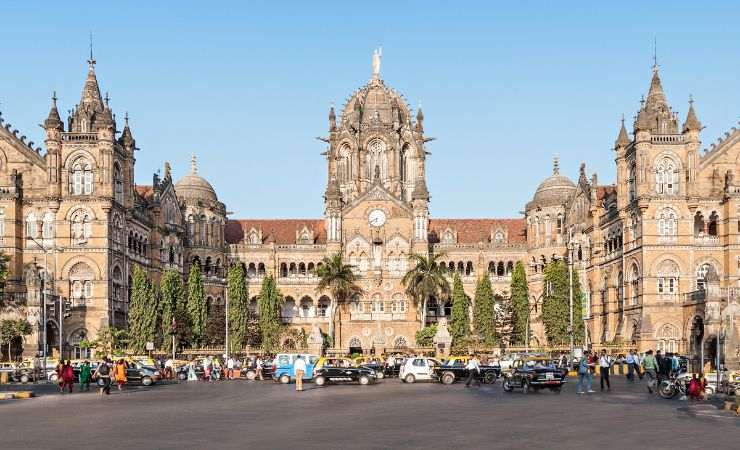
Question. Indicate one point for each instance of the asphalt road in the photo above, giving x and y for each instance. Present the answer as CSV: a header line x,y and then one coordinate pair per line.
x,y
391,414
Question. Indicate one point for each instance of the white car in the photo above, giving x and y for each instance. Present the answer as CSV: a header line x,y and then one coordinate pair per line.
x,y
418,369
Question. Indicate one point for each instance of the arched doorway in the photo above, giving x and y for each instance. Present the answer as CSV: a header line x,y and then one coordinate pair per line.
x,y
355,346
696,336
52,339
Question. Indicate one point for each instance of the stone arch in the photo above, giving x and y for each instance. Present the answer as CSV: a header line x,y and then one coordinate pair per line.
x,y
355,342
660,265
66,269
400,343
78,154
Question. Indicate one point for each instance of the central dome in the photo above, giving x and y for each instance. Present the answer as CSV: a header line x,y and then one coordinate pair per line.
x,y
194,187
376,101
554,190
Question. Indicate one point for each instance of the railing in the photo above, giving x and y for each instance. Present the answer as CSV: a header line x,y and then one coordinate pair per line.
x,y
378,316
667,139
303,319
79,137
706,240
731,293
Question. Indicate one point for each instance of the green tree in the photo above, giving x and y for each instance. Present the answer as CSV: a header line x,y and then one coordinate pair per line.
x,y
424,280
483,311
519,304
173,308
142,315
216,326
197,308
269,302
425,336
341,281
12,329
238,299
110,341
555,306
460,320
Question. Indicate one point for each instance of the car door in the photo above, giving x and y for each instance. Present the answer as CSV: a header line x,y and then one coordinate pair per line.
x,y
133,374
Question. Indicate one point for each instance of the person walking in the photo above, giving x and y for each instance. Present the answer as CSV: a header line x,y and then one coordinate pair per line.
x,y
68,376
36,367
260,368
85,376
584,374
650,368
605,365
630,361
230,368
59,369
103,373
299,367
120,374
473,371
169,368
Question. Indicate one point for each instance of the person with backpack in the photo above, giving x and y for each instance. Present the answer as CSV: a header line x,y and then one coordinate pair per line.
x,y
102,374
605,365
584,373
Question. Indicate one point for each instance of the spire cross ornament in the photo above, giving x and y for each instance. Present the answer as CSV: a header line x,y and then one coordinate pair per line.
x,y
377,54
193,165
655,53
91,61
125,118
555,166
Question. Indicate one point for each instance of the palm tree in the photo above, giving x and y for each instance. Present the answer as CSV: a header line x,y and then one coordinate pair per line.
x,y
341,281
426,279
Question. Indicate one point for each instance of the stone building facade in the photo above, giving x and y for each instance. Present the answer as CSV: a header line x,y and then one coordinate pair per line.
x,y
657,254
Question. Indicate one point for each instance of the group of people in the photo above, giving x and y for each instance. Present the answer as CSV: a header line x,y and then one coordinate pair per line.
x,y
105,374
587,367
214,368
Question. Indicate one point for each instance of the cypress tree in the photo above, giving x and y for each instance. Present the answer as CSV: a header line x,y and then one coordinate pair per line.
x,y
555,307
238,307
519,303
173,306
483,311
269,307
142,314
460,326
197,308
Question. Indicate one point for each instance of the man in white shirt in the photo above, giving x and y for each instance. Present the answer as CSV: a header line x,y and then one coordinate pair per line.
x,y
473,367
630,361
260,367
299,367
605,365
169,365
230,368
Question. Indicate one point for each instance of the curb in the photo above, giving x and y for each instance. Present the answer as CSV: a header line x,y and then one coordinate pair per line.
x,y
16,395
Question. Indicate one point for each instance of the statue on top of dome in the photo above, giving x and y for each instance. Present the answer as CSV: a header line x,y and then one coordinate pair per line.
x,y
377,54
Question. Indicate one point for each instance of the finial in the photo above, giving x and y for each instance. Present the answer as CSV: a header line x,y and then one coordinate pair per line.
x,y
125,118
622,119
193,165
655,54
91,61
107,99
555,166
691,100
54,98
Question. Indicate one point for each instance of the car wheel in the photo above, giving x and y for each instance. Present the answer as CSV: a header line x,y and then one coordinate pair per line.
x,y
319,381
25,378
251,375
379,374
525,387
182,376
364,380
147,381
410,379
53,378
285,379
507,385
448,378
489,378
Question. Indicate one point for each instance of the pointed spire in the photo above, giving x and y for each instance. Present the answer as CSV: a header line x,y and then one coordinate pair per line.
x,y
127,139
692,122
193,165
420,119
91,91
53,121
656,96
556,166
623,138
332,118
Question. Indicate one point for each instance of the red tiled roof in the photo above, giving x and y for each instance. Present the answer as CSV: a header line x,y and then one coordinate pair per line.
x,y
146,191
284,230
470,231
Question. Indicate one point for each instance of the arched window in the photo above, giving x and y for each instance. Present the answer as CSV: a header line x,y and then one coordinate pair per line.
x,y
81,178
666,181
498,238
631,180
75,340
701,275
667,222
47,230
713,224
668,337
202,229
117,284
634,284
668,273
81,280
118,184
620,291
377,161
31,225
344,165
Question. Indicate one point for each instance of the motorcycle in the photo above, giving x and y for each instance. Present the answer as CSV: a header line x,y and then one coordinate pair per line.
x,y
674,385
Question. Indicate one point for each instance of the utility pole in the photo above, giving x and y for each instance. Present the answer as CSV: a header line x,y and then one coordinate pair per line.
x,y
570,295
226,340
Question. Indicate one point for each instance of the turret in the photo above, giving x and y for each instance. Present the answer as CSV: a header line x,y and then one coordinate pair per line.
x,y
692,124
54,128
332,119
420,120
623,139
127,140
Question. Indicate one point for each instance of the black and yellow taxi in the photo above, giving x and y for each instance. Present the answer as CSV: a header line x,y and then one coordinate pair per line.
x,y
455,368
531,374
337,370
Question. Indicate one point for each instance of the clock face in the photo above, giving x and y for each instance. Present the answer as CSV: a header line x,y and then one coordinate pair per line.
x,y
376,218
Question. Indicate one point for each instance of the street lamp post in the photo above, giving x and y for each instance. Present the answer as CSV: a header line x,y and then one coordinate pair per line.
x,y
44,295
226,339
570,299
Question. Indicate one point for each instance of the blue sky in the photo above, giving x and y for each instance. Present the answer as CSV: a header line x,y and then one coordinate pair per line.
x,y
246,85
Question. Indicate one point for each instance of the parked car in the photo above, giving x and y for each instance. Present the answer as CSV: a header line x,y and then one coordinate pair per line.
x,y
138,373
341,370
393,367
418,369
454,369
372,362
250,372
533,374
283,366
